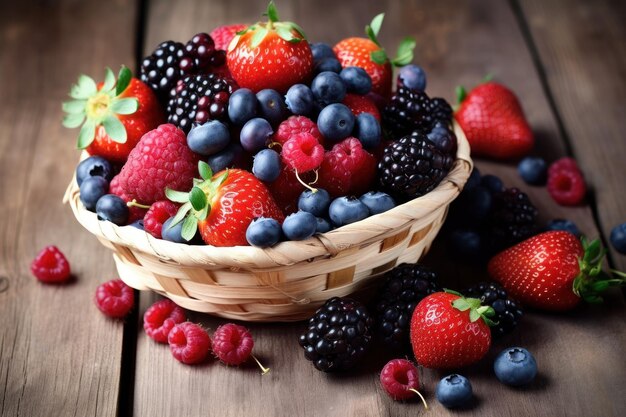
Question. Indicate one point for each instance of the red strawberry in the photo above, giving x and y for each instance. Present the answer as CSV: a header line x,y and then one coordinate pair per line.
x,y
347,169
161,160
223,205
449,331
222,35
494,122
114,114
270,54
361,104
553,271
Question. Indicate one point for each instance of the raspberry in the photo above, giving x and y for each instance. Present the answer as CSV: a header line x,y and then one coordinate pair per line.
x,y
294,125
222,35
286,189
158,213
160,318
361,104
160,160
563,164
347,169
400,379
567,187
233,344
303,152
114,298
189,343
51,266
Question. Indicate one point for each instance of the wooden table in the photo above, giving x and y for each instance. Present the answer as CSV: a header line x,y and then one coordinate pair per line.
x,y
60,357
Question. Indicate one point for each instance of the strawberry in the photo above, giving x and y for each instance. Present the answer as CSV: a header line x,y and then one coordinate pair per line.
x,y
361,104
553,271
222,206
270,54
494,122
449,331
223,35
114,114
368,54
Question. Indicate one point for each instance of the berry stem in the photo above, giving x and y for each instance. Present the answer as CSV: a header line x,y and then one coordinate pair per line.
x,y
134,203
313,190
421,396
264,370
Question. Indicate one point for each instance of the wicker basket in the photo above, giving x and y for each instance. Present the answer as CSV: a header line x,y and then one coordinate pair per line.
x,y
290,280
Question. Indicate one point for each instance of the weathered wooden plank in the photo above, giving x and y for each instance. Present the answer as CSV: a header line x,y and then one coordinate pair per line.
x,y
583,52
59,355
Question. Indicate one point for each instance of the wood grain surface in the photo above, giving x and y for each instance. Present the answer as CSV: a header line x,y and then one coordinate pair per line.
x,y
61,357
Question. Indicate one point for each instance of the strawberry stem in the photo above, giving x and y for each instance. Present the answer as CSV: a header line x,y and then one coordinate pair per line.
x,y
592,281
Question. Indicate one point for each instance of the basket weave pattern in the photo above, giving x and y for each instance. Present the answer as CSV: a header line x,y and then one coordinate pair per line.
x,y
290,280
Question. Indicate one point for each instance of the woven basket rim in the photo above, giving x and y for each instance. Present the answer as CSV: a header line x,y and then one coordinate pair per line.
x,y
286,253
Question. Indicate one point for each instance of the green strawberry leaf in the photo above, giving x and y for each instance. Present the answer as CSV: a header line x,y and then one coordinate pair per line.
x,y
87,134
474,315
73,120
123,80
286,34
109,80
220,180
125,105
205,170
376,24
379,56
405,52
190,226
204,213
87,86
182,212
461,304
487,78
461,94
449,291
176,196
197,198
272,12
115,129
258,37
297,28
74,106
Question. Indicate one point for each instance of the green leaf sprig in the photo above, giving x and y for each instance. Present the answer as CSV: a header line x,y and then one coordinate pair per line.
x,y
476,310
404,55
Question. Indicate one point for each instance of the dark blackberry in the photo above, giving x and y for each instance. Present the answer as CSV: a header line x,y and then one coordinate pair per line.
x,y
508,313
198,98
512,218
412,167
441,110
408,110
405,286
444,138
338,335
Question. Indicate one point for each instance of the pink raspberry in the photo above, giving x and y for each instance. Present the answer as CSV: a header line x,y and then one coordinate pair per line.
x,y
563,164
114,298
160,318
134,212
567,187
233,344
347,169
400,379
51,266
222,35
189,343
158,213
303,152
294,125
160,160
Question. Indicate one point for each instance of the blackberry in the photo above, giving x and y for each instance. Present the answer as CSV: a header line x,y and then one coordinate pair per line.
x,y
512,218
508,313
412,167
410,110
405,286
199,98
338,335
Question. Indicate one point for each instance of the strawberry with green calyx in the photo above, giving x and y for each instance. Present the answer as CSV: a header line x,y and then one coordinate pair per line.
x,y
368,54
450,331
270,54
554,271
113,115
222,206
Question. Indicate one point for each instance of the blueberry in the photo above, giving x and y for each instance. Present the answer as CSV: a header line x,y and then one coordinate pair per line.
x,y
263,232
272,106
242,106
492,183
618,238
328,87
466,243
515,366
113,209
300,99
564,224
173,233
299,225
327,64
254,134
209,138
91,190
412,77
533,170
321,50
377,202
323,225
357,80
225,158
266,165
315,203
443,138
346,210
454,391
137,224
476,203
367,130
94,166
473,180
335,122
